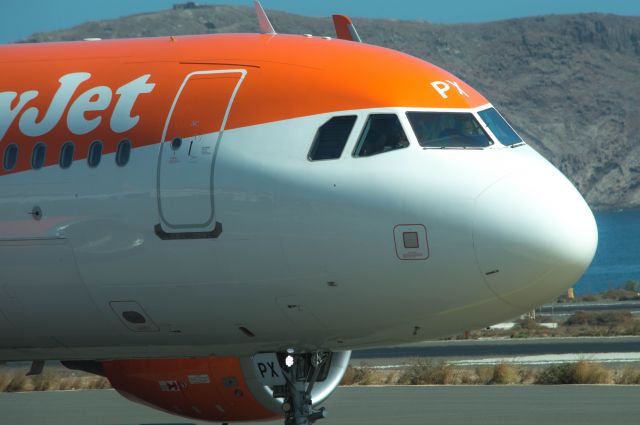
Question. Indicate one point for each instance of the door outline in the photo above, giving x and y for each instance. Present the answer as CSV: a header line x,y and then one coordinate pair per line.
x,y
198,228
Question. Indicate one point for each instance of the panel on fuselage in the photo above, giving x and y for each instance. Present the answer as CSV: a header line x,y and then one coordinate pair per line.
x,y
192,132
42,293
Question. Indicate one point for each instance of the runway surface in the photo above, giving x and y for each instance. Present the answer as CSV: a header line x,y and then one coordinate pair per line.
x,y
441,405
570,308
467,349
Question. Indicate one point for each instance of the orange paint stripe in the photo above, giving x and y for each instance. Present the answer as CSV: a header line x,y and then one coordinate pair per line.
x,y
287,77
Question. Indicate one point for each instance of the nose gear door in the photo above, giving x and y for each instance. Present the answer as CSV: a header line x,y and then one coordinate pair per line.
x,y
192,135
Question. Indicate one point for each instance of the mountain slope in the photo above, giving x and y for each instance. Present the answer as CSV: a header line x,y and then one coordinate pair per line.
x,y
570,84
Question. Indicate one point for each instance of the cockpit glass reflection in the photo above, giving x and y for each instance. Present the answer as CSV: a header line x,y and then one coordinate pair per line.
x,y
448,130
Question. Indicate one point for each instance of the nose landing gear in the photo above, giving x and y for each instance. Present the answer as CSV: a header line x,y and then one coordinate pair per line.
x,y
301,372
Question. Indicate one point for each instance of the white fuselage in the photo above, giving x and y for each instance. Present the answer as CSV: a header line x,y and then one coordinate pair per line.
x,y
306,257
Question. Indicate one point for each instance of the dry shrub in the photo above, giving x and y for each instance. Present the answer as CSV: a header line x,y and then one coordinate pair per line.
x,y
628,376
590,298
527,375
591,373
426,372
602,324
582,372
18,383
555,374
359,375
467,377
363,375
504,373
50,380
392,378
607,318
89,382
634,329
66,384
5,378
102,384
528,323
485,374
46,381
348,377
628,292
76,383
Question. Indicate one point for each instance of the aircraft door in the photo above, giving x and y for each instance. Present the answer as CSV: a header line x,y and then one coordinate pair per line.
x,y
191,137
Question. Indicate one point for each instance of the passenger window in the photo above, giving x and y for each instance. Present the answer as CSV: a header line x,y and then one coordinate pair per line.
x,y
331,138
123,153
38,155
382,133
10,157
95,154
448,130
66,155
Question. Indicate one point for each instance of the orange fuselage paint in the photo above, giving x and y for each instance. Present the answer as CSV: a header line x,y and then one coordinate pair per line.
x,y
124,89
210,388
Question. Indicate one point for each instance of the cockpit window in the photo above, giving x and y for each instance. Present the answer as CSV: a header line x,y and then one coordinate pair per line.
x,y
499,127
331,138
382,133
448,130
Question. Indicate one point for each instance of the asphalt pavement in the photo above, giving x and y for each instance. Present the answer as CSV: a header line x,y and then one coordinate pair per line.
x,y
566,309
441,405
458,349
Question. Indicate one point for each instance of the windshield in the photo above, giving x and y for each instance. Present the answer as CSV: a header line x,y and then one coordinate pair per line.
x,y
499,127
448,130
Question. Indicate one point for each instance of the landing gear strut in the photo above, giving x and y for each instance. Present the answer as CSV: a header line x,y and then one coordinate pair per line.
x,y
301,373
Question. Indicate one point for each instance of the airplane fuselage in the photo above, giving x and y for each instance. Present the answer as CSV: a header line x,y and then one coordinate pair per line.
x,y
218,235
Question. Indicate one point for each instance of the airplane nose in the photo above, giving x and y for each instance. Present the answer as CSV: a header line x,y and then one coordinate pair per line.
x,y
534,236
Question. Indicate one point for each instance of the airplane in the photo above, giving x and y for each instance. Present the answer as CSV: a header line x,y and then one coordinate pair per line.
x,y
214,222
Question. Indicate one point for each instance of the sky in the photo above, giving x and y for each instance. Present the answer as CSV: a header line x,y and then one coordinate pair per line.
x,y
21,18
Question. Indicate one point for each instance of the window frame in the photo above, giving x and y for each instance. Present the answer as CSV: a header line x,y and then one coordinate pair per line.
x,y
122,143
33,155
316,137
5,156
89,151
365,129
65,145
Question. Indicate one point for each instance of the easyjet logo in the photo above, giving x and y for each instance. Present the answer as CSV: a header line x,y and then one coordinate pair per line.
x,y
34,122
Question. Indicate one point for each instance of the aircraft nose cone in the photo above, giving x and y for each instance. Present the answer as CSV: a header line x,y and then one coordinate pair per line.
x,y
534,236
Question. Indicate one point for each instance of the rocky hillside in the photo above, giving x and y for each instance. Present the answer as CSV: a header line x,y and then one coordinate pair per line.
x,y
570,84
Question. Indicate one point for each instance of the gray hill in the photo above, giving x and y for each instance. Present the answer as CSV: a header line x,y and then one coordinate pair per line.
x,y
570,84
